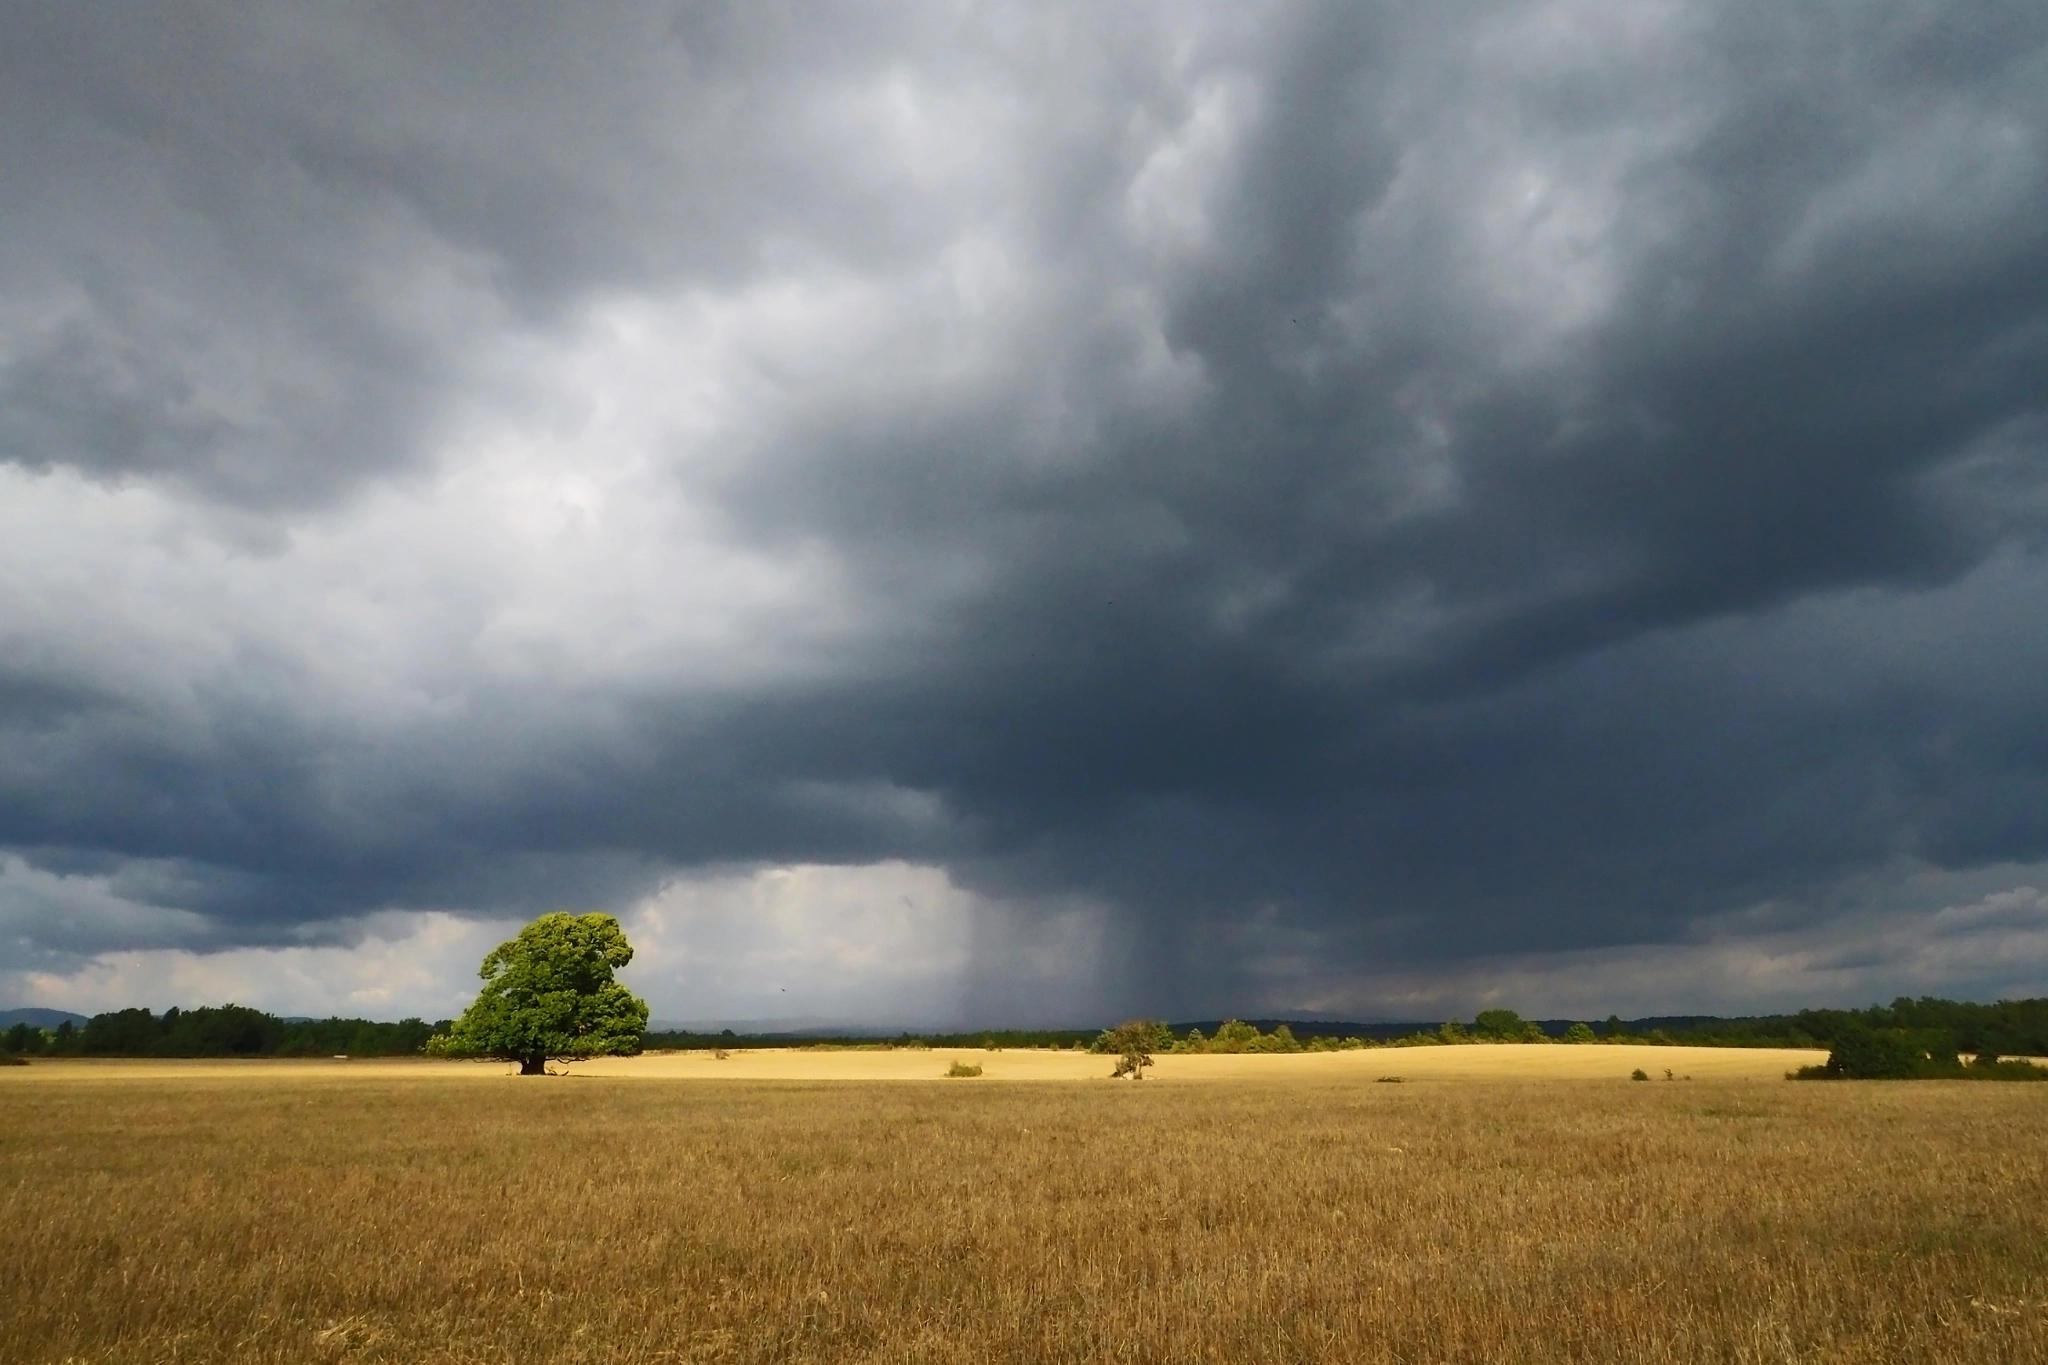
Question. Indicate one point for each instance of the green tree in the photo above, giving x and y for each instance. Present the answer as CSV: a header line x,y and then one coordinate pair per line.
x,y
1501,1026
1580,1033
1862,1053
1235,1036
1134,1042
1281,1039
549,996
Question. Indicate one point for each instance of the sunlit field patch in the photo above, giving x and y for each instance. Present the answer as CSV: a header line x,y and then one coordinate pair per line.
x,y
441,1212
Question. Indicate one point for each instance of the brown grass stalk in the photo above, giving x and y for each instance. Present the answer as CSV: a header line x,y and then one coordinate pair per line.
x,y
201,1218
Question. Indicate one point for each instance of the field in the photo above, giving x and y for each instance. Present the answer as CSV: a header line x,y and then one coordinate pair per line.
x,y
1237,1209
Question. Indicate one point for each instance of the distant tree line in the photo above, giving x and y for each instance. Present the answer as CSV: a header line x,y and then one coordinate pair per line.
x,y
1861,1053
684,1040
2007,1028
217,1031
1936,1027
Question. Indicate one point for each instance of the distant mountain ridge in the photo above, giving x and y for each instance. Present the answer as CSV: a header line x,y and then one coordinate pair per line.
x,y
37,1017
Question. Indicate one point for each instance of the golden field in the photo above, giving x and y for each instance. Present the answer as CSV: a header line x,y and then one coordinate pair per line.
x,y
1235,1209
1473,1061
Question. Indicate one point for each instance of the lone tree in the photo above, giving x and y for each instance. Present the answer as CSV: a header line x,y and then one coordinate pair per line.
x,y
1134,1044
549,996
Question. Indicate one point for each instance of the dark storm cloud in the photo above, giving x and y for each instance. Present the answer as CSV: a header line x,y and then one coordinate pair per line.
x,y
1400,511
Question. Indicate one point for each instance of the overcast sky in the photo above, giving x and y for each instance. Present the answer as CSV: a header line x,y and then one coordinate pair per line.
x,y
1026,514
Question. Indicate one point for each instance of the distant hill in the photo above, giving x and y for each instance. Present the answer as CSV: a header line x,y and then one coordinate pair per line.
x,y
36,1017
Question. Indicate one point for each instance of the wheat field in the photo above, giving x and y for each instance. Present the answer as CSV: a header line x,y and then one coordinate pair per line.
x,y
158,1213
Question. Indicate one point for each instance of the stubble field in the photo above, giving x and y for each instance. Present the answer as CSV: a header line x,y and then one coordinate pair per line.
x,y
390,1213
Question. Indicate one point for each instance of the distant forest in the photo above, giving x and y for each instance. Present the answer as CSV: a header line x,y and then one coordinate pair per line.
x,y
218,1031
2008,1028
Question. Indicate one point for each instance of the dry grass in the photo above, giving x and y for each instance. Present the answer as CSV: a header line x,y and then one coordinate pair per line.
x,y
1473,1062
336,1215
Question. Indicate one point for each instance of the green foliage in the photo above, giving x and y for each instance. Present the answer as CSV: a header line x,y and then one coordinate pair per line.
x,y
221,1031
960,1068
1864,1053
1235,1036
1886,1054
1506,1026
549,996
1453,1032
1134,1042
210,1031
2008,1028
1498,1026
1281,1039
1988,1067
1581,1033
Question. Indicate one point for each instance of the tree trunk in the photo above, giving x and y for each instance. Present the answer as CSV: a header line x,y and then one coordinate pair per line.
x,y
534,1064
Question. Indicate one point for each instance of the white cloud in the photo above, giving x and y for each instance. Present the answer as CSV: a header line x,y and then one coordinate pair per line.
x,y
421,964
883,942
890,943
1992,947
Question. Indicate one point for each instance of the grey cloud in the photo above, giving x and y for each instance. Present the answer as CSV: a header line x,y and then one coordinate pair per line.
x,y
1398,494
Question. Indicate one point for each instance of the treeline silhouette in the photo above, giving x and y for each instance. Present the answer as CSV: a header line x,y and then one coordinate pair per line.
x,y
217,1031
2007,1028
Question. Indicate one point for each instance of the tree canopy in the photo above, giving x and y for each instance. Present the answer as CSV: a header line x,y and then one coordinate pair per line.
x,y
549,996
1134,1043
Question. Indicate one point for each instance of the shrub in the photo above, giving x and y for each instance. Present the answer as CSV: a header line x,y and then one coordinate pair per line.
x,y
1506,1026
1581,1033
1134,1042
1868,1054
1639,1075
1988,1067
1281,1039
960,1068
1235,1036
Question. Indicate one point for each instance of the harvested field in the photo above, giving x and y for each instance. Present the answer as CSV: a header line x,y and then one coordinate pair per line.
x,y
1471,1062
416,1212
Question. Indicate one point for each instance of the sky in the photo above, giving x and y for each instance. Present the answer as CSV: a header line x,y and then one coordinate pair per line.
x,y
1003,515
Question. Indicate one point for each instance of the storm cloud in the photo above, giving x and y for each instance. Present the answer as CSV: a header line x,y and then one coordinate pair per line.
x,y
1351,508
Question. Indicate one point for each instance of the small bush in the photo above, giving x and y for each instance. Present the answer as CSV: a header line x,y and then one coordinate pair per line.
x,y
1639,1075
12,1059
960,1068
1891,1054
